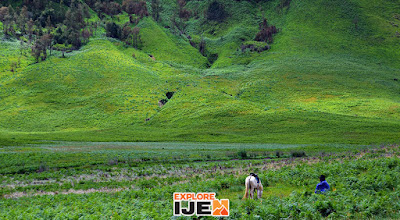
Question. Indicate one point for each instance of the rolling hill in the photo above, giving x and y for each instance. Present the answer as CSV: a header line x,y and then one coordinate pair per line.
x,y
331,75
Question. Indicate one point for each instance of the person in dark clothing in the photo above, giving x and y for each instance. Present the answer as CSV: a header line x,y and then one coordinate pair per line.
x,y
322,186
255,175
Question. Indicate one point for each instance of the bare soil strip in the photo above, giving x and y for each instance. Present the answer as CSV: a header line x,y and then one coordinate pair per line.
x,y
71,191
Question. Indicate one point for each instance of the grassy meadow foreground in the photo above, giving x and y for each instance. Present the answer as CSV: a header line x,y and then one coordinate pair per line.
x,y
107,107
136,180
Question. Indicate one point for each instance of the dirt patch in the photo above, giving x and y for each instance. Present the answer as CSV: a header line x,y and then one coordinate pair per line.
x,y
71,191
162,102
312,99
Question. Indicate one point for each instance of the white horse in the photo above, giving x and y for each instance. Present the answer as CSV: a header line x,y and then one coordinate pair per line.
x,y
251,185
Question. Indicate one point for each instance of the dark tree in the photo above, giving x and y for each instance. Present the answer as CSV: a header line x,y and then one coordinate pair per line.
x,y
62,48
126,32
3,13
39,4
183,13
136,37
284,3
113,30
266,32
3,16
156,8
47,41
37,49
6,17
75,21
75,16
108,7
113,8
131,36
98,7
178,24
73,38
49,24
30,29
91,3
23,19
216,12
86,34
138,8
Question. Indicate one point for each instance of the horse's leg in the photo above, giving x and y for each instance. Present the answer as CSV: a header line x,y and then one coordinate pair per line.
x,y
251,192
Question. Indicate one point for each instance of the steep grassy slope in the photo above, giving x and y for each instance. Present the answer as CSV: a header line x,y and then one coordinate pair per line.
x,y
165,47
94,84
329,77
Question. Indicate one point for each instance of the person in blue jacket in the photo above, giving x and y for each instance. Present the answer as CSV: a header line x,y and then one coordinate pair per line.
x,y
322,186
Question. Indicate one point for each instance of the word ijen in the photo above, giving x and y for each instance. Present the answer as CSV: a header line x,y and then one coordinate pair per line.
x,y
200,204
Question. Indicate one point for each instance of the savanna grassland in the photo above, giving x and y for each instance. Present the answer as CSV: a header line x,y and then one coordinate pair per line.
x,y
325,78
108,107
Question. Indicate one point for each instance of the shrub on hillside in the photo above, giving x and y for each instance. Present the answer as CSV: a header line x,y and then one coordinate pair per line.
x,y
131,36
284,3
216,12
113,30
156,8
183,13
39,48
266,32
109,8
7,17
138,8
113,8
254,46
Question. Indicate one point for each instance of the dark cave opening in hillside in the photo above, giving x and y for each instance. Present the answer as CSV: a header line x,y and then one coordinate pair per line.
x,y
212,58
169,94
162,102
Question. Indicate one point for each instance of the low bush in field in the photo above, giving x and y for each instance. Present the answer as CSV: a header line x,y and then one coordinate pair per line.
x,y
298,154
242,154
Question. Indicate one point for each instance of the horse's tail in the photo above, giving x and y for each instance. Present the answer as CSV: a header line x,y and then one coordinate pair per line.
x,y
246,193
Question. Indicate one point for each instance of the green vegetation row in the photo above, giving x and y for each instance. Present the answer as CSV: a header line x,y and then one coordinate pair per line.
x,y
32,160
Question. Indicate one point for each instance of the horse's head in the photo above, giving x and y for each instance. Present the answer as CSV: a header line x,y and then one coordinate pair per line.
x,y
260,190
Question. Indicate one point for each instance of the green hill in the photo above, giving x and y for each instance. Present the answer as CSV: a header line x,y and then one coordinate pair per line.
x,y
332,75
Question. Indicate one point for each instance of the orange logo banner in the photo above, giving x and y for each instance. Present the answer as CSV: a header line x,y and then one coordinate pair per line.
x,y
220,207
200,204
